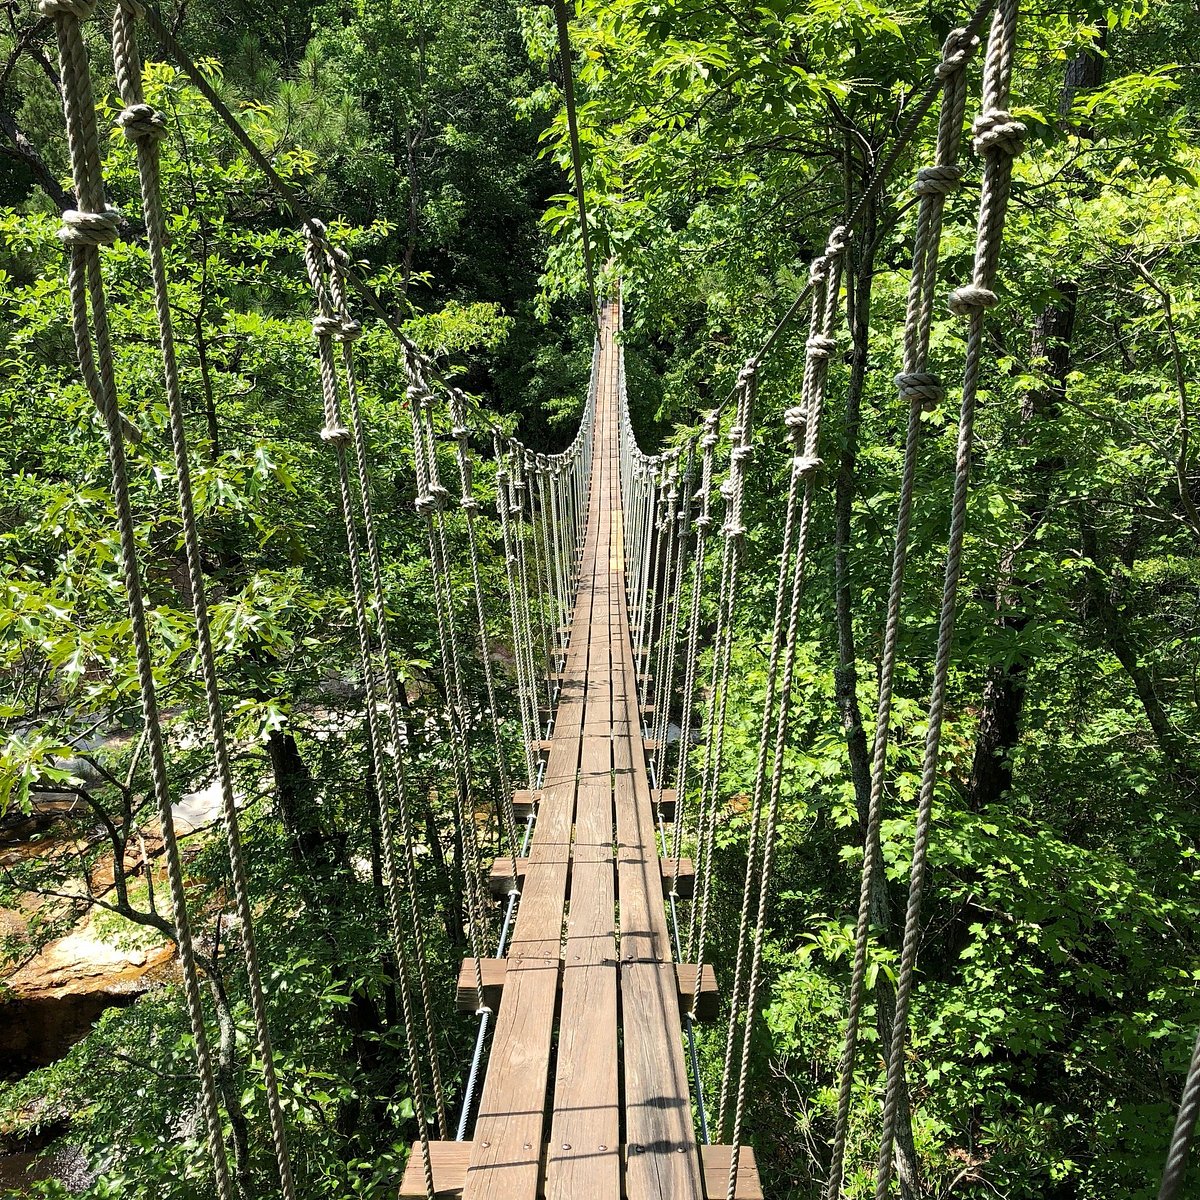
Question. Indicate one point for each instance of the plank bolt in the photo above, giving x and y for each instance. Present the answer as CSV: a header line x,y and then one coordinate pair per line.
x,y
486,1145
566,1145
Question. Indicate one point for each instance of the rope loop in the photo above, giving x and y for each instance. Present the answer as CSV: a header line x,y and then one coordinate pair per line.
x,y
837,242
142,123
956,50
81,10
335,435
795,418
819,346
921,387
970,299
89,228
937,181
998,132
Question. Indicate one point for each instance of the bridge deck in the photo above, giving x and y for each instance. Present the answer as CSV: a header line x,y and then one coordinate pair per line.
x,y
586,1093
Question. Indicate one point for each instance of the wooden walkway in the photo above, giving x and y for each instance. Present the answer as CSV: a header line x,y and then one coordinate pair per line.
x,y
586,1092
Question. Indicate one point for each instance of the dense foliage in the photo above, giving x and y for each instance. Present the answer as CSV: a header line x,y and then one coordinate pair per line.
x,y
1058,998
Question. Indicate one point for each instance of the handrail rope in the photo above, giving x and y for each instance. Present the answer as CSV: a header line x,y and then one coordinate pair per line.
x,y
805,464
564,54
346,335
923,391
84,229
335,435
997,137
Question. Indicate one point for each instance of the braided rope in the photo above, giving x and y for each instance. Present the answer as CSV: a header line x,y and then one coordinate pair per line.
x,y
997,139
805,464
923,390
81,231
84,276
1175,1169
336,436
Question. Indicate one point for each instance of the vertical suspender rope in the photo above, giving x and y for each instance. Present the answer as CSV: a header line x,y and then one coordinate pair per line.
x,y
655,687
83,231
998,139
470,507
335,434
428,504
734,532
75,72
805,464
923,391
346,334
524,686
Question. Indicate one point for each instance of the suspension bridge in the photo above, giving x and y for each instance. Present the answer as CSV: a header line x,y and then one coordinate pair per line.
x,y
585,1079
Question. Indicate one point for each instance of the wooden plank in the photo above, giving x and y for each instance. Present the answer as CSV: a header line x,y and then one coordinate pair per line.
x,y
500,877
449,1162
493,971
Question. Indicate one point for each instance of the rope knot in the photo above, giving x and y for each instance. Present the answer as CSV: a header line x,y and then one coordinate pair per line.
x,y
708,441
741,454
703,523
837,242
736,433
996,131
734,530
819,346
89,228
142,123
335,435
323,326
348,330
79,9
795,417
746,375
957,48
133,8
426,505
469,504
806,465
971,299
921,386
818,270
440,494
937,181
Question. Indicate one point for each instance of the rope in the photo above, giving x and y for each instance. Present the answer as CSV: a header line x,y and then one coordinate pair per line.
x,y
335,435
998,138
804,424
1185,1129
564,54
83,231
923,390
397,726
431,497
88,228
734,532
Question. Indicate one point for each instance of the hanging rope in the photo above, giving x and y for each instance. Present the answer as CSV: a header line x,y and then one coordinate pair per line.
x,y
83,231
998,139
703,523
923,391
326,327
1175,1171
805,464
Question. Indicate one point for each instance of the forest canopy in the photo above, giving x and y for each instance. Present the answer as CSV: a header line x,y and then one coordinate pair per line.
x,y
1058,997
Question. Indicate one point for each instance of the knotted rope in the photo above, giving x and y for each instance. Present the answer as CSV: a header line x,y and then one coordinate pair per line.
x,y
83,230
923,390
997,139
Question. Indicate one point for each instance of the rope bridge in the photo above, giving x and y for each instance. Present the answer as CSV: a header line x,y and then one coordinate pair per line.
x,y
586,1077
